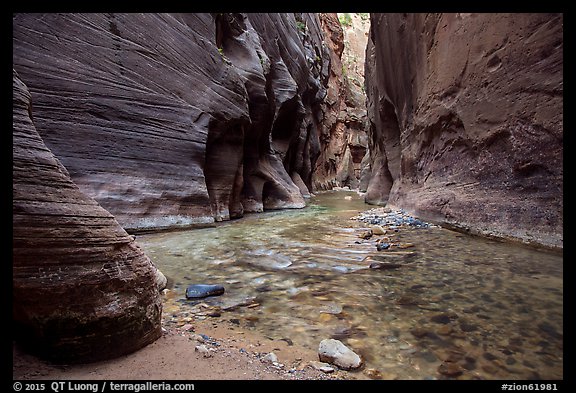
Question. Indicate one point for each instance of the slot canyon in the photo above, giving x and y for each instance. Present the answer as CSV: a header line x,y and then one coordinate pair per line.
x,y
389,184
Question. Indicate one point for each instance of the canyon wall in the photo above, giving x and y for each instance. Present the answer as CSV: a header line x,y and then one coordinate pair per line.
x,y
171,120
466,121
146,121
343,140
82,289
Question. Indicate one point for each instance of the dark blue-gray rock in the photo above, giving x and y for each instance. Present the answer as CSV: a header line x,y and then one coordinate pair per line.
x,y
441,318
382,246
198,291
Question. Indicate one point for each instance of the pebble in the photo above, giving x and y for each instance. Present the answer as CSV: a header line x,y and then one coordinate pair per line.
x,y
321,366
408,300
550,330
198,291
366,235
469,365
450,369
428,356
489,356
372,373
324,317
420,332
445,330
490,369
203,350
270,358
468,327
382,246
378,230
441,318
335,352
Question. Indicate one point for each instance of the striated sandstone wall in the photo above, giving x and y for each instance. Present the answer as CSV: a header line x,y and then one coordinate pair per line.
x,y
466,121
172,120
82,289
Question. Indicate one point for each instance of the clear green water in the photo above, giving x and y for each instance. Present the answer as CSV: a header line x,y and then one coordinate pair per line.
x,y
491,310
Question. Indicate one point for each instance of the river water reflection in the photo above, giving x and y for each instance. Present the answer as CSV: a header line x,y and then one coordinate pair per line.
x,y
459,307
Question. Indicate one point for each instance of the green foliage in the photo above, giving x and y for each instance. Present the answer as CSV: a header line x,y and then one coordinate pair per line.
x,y
364,16
345,19
221,51
301,26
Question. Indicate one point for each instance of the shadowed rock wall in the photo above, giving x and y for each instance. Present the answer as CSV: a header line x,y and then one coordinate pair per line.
x,y
82,289
466,120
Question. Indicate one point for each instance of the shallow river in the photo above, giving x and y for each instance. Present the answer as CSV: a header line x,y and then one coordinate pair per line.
x,y
459,306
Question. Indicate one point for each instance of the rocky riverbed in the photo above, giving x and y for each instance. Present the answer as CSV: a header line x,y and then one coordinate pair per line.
x,y
434,304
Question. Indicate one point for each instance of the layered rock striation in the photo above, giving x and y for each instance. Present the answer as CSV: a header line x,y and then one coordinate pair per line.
x,y
82,289
146,121
171,120
466,121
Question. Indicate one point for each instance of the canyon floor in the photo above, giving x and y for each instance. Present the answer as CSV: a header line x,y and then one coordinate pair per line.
x,y
234,354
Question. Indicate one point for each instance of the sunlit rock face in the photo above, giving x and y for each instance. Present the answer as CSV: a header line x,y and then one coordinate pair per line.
x,y
171,120
343,139
466,120
82,289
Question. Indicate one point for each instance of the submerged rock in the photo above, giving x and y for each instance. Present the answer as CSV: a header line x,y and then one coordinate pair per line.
x,y
384,265
198,291
335,352
450,369
366,234
382,246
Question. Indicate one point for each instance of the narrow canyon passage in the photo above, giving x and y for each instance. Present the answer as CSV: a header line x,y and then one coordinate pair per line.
x,y
392,183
